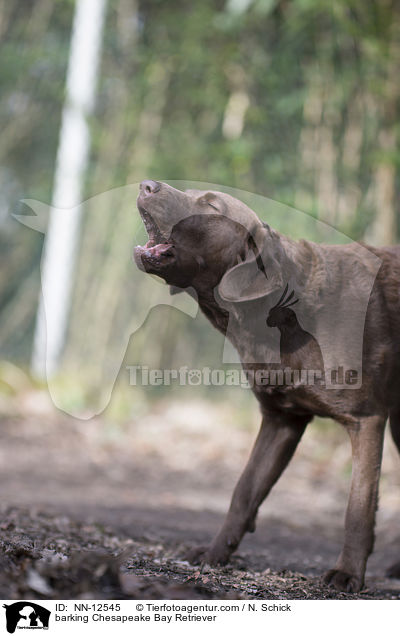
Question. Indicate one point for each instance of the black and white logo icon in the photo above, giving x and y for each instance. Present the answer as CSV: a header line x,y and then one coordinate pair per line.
x,y
26,615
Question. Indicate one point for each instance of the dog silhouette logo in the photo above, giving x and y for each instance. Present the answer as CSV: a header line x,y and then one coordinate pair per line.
x,y
293,337
26,615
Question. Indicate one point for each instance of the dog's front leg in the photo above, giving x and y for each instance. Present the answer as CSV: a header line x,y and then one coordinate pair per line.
x,y
367,444
273,449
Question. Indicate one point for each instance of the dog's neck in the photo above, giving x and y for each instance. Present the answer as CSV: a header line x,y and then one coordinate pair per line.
x,y
218,316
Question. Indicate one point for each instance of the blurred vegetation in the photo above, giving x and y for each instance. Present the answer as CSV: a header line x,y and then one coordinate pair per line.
x,y
296,100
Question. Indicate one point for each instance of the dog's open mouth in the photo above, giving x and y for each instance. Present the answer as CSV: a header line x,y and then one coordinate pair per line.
x,y
157,252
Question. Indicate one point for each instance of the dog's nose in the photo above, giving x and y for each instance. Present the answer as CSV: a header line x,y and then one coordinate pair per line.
x,y
150,187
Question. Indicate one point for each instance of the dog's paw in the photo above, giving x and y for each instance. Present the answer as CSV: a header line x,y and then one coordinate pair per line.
x,y
343,581
203,554
196,555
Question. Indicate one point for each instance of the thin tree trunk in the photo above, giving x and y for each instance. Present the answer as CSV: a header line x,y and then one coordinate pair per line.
x,y
385,226
349,195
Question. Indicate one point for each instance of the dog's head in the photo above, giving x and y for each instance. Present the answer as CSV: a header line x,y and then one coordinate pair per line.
x,y
205,239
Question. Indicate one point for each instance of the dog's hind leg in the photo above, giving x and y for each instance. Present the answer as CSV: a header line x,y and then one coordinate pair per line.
x,y
367,443
394,420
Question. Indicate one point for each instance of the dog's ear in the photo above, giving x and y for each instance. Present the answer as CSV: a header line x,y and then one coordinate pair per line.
x,y
259,274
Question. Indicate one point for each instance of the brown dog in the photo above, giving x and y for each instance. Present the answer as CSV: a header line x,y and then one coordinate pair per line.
x,y
317,330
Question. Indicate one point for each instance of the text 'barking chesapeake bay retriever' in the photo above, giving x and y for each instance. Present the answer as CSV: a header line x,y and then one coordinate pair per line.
x,y
317,330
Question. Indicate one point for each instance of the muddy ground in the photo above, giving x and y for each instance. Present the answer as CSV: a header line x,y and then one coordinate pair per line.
x,y
95,509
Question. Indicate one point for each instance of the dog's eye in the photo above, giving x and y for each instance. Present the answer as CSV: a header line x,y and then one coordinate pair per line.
x,y
212,205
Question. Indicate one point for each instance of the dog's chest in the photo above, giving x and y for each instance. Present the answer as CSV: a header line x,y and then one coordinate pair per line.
x,y
284,398
300,399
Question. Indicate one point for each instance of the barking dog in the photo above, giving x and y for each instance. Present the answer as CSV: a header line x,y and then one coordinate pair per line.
x,y
347,317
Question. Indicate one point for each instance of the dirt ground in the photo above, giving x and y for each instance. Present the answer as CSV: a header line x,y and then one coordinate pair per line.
x,y
95,509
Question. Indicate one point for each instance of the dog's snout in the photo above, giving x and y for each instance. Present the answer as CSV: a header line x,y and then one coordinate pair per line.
x,y
150,187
